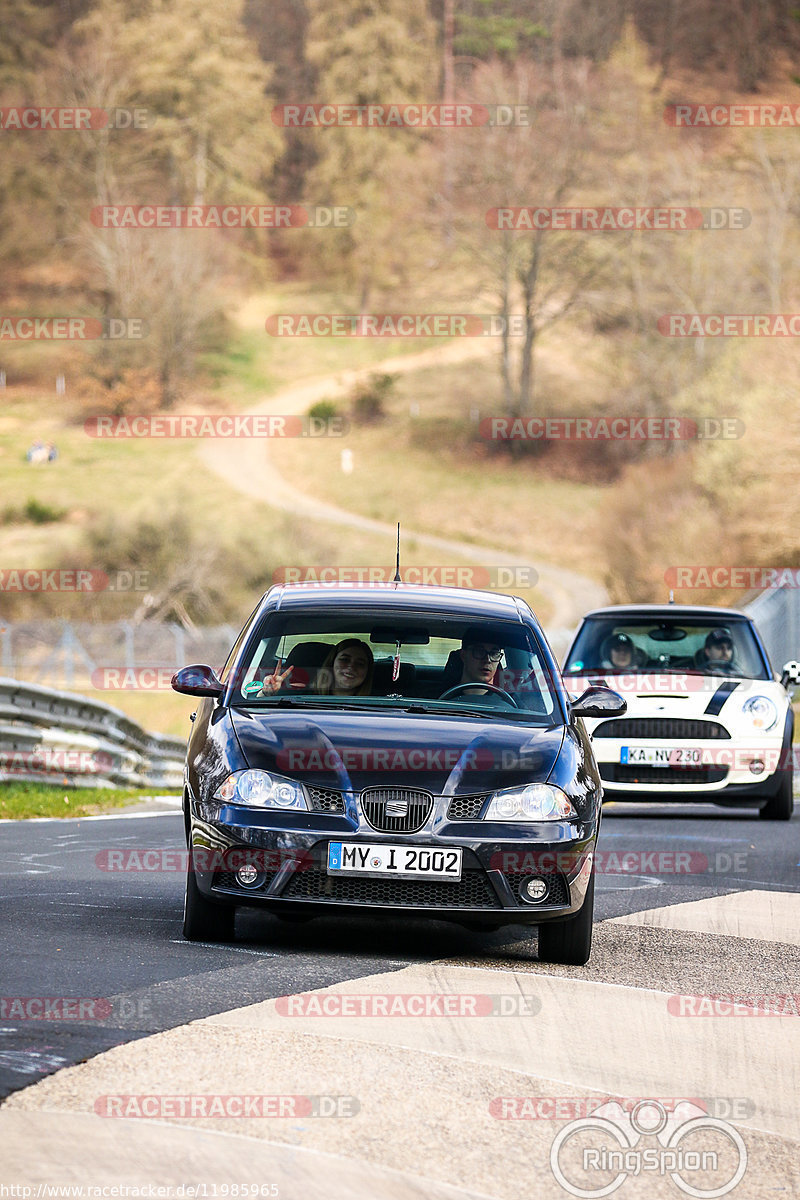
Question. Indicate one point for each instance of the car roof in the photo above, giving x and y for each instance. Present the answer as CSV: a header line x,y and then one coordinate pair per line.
x,y
680,611
393,597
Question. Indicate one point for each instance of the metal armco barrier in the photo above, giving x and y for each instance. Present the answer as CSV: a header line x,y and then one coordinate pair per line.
x,y
60,737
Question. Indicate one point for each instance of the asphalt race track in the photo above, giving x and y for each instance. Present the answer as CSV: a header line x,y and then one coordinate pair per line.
x,y
691,902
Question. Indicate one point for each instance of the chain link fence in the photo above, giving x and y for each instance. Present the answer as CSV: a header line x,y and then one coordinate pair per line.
x,y
66,654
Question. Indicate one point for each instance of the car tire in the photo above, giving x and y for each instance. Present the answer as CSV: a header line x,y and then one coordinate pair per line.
x,y
204,921
569,941
780,806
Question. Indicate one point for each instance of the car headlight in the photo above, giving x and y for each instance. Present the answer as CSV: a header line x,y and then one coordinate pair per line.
x,y
761,712
258,789
536,802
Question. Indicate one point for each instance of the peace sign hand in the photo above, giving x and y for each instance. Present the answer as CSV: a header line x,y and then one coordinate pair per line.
x,y
274,682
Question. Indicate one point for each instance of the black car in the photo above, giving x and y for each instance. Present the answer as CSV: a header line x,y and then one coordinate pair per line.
x,y
393,749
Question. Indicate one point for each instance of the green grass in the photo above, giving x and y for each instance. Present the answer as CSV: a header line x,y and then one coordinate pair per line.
x,y
18,801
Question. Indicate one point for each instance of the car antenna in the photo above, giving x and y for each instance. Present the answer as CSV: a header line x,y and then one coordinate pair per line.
x,y
397,578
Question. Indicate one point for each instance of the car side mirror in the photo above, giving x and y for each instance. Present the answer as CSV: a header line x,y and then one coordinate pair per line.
x,y
790,674
600,702
198,680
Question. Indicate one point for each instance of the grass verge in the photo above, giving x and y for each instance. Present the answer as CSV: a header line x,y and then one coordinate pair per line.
x,y
19,801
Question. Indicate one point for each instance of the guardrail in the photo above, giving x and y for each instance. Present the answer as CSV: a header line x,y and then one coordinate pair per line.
x,y
59,737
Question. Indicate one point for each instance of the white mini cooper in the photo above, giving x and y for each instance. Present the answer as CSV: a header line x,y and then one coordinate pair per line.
x,y
707,717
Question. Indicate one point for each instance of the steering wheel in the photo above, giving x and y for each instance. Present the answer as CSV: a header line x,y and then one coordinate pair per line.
x,y
465,687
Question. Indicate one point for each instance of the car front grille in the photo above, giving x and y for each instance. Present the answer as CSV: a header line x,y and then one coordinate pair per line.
x,y
672,776
473,890
558,893
466,808
325,800
396,810
662,727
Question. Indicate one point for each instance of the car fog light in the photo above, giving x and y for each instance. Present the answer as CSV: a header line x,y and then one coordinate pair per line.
x,y
756,766
534,889
248,876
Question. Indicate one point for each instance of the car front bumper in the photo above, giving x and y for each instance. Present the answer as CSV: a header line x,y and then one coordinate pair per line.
x,y
290,857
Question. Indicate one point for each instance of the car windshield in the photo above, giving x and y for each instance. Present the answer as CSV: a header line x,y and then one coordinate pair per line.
x,y
625,645
368,659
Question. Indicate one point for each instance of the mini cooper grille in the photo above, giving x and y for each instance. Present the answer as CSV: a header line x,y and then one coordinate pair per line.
x,y
473,890
466,808
673,776
325,800
557,893
396,810
661,727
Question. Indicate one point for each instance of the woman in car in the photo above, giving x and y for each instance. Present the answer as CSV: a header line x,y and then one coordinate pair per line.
x,y
347,671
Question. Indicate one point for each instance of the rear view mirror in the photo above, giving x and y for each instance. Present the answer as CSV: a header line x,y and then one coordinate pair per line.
x,y
600,702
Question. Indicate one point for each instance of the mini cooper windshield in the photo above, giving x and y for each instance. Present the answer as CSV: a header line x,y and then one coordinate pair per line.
x,y
637,645
368,660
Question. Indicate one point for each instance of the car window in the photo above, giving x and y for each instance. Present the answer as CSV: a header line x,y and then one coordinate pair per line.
x,y
418,657
646,644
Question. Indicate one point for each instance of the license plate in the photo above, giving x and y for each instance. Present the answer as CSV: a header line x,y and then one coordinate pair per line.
x,y
427,862
661,756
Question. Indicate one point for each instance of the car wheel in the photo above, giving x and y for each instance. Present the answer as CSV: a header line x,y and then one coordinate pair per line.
x,y
569,941
204,921
780,806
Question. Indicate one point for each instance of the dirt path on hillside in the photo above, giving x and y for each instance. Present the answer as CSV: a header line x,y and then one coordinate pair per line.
x,y
245,464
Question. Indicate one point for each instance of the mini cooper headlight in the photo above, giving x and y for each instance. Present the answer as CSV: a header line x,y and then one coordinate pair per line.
x,y
536,802
258,789
761,712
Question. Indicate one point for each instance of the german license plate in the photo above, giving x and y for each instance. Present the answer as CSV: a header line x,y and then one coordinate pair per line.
x,y
426,862
661,756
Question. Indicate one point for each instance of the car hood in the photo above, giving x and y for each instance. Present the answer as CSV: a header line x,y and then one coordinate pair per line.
x,y
445,755
680,694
